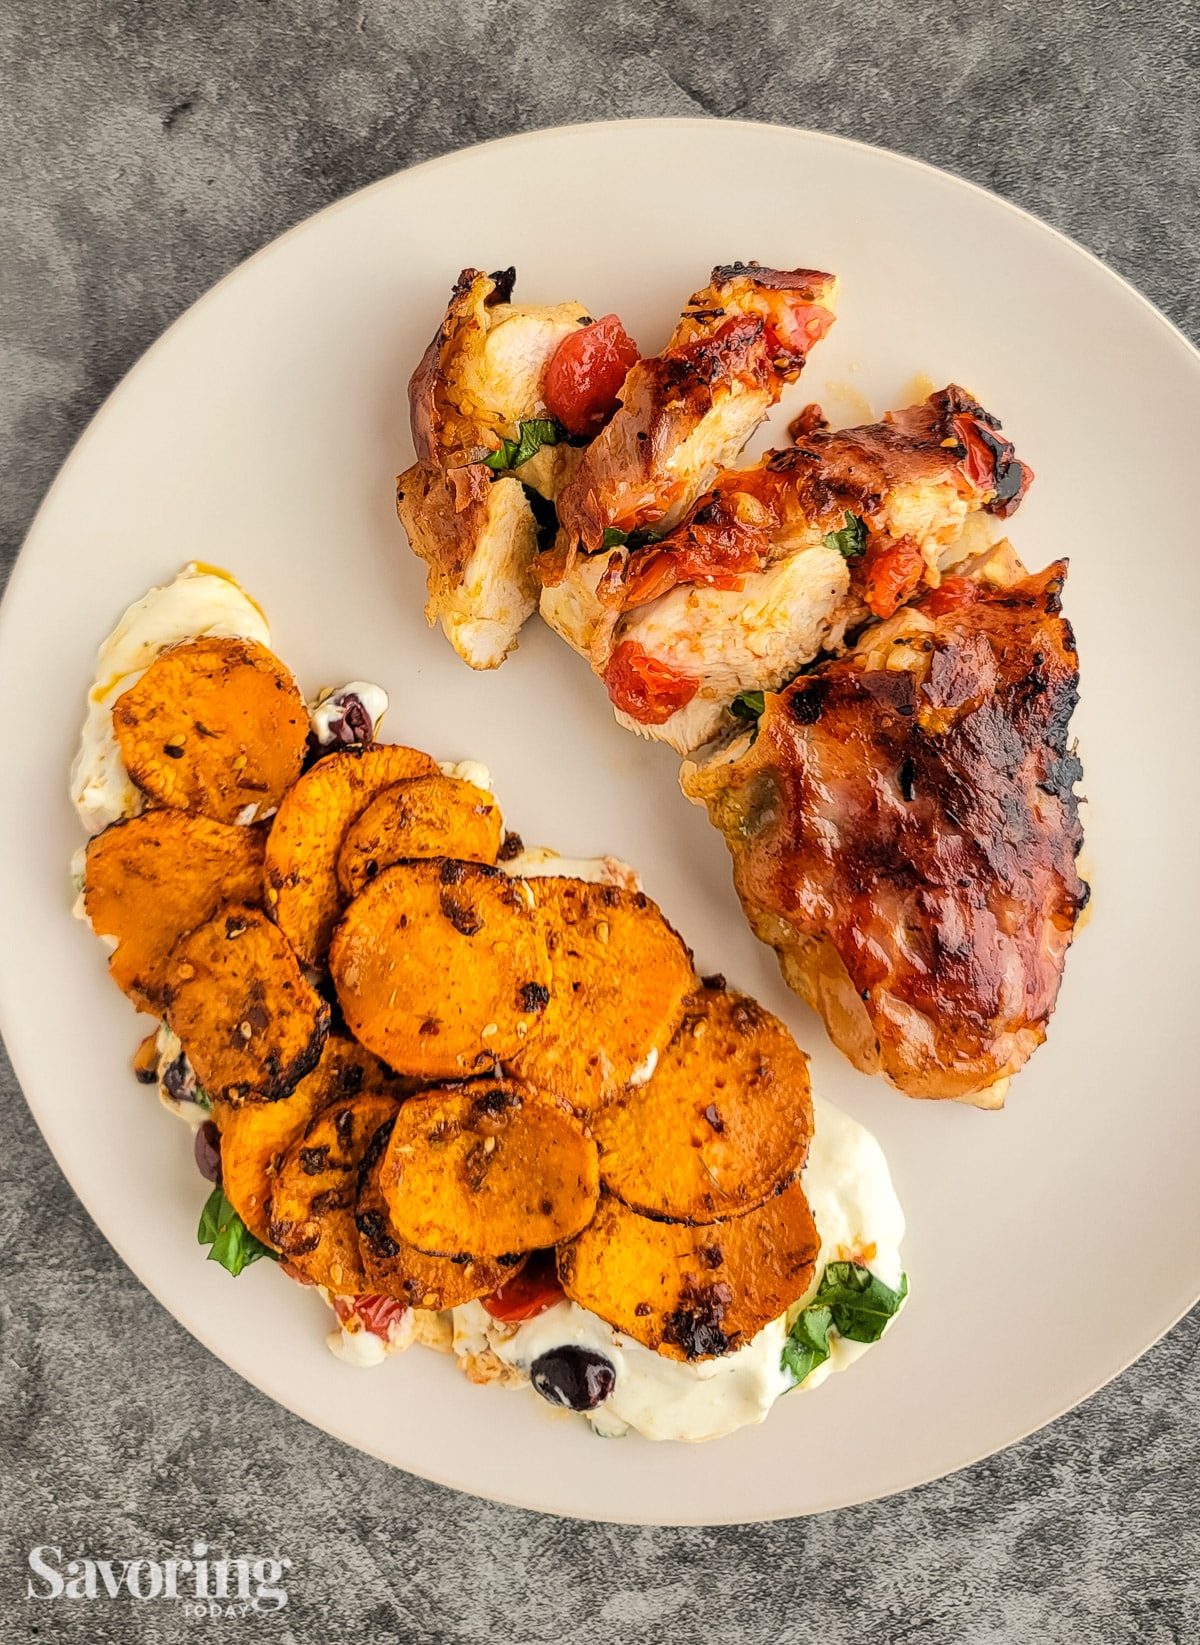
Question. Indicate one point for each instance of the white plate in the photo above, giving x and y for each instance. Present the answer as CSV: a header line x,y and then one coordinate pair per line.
x,y
1049,1244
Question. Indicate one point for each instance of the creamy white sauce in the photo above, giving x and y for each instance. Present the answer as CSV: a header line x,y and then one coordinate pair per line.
x,y
859,1219
329,707
201,601
538,862
468,771
643,1071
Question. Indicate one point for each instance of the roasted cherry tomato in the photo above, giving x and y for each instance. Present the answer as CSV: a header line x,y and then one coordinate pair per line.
x,y
586,373
717,556
892,573
528,1293
952,595
375,1314
644,687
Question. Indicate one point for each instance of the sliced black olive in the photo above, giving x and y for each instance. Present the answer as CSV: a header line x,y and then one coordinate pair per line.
x,y
574,1377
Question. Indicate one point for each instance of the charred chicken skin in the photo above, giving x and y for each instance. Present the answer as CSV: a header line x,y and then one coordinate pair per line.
x,y
687,412
775,562
904,832
482,377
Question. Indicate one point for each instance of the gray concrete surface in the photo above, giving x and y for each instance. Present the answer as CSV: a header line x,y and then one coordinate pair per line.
x,y
147,148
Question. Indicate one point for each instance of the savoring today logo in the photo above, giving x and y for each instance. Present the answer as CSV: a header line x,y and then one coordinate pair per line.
x,y
202,1586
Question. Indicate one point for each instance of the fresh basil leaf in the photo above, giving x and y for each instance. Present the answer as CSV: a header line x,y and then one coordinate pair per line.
x,y
748,705
613,538
807,1345
861,1304
233,1245
850,1301
851,540
532,436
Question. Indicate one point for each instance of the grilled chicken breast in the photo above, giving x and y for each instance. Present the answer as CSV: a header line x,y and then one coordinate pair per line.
x,y
688,411
775,562
481,377
904,832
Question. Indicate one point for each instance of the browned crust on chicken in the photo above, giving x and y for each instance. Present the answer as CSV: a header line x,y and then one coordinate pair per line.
x,y
905,836
442,435
738,342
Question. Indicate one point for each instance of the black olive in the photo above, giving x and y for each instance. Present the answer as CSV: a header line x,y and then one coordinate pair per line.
x,y
208,1151
574,1377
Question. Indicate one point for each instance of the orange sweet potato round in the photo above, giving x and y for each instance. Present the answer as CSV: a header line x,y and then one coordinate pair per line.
x,y
154,877
303,895
427,817
488,1168
692,1293
723,1123
256,1135
316,1185
441,968
251,1024
620,976
213,726
394,1268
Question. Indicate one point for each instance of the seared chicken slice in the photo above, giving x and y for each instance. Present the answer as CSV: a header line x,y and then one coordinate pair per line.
x,y
776,561
904,832
481,378
688,411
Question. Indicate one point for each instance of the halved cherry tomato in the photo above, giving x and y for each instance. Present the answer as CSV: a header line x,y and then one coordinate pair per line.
x,y
375,1314
892,573
644,687
716,555
586,374
529,1293
951,595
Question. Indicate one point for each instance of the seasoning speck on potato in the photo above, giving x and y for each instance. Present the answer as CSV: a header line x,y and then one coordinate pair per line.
x,y
250,1022
216,726
488,1168
441,968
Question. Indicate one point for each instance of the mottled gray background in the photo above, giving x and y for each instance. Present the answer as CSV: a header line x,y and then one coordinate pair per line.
x,y
148,147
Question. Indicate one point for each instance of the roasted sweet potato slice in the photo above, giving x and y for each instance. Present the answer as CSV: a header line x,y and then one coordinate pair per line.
x,y
722,1125
441,968
256,1135
150,879
316,1185
303,894
251,1024
620,977
428,817
396,1269
490,1168
214,726
692,1293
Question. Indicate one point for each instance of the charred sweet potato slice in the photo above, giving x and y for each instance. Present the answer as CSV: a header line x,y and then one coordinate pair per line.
x,y
692,1293
256,1135
488,1168
150,879
441,968
722,1125
213,726
620,977
316,1186
427,817
251,1024
396,1269
303,894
